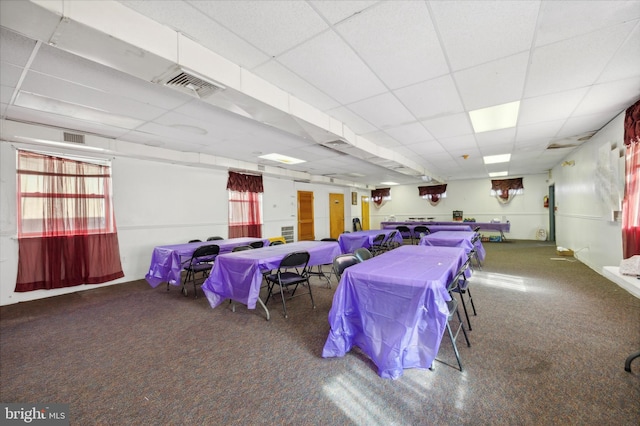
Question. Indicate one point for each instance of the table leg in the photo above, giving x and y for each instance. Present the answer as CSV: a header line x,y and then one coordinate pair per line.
x,y
265,308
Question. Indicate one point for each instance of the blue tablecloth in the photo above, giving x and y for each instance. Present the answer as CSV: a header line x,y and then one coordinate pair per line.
x,y
393,307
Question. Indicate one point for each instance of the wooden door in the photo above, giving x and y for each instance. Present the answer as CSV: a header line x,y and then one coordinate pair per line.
x,y
365,213
336,215
306,225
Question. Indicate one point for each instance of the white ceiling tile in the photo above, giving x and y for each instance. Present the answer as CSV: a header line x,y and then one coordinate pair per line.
x,y
494,83
550,107
496,137
356,123
583,124
431,98
613,97
10,75
395,23
573,63
282,77
560,20
626,62
475,32
6,93
15,48
66,91
253,21
461,142
65,122
385,110
409,133
80,71
381,138
537,131
333,67
179,15
336,11
427,148
449,126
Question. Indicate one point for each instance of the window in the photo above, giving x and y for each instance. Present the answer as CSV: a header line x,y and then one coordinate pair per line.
x,y
631,202
60,196
245,205
66,224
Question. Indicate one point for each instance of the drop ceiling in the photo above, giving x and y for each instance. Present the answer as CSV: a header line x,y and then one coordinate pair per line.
x,y
363,91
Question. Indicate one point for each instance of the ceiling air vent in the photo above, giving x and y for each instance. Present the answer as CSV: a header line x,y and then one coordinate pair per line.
x,y
73,137
189,82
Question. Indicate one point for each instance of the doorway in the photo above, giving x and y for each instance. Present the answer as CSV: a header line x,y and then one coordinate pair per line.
x,y
306,225
552,213
365,213
336,215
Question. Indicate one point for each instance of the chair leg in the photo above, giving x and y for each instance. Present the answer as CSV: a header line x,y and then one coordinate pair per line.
x,y
284,306
462,327
311,294
464,307
472,305
627,362
455,347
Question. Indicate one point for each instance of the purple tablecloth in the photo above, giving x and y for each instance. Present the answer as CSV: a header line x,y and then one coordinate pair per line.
x,y
238,276
484,226
435,228
454,239
354,240
167,261
393,307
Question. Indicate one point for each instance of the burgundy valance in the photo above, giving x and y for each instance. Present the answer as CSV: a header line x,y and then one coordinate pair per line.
x,y
632,124
432,190
505,187
244,183
379,195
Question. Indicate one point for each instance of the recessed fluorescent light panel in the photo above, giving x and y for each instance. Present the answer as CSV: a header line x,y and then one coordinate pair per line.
x,y
498,174
496,117
389,183
494,159
282,158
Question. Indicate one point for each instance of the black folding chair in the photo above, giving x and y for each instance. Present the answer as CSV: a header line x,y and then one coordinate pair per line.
x,y
201,262
342,262
285,277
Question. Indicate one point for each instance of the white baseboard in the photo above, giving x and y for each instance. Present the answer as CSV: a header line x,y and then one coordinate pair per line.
x,y
629,283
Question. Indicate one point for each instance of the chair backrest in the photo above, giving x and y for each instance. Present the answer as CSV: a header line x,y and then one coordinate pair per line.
x,y
297,259
357,226
206,253
476,229
214,238
389,241
403,229
362,254
342,262
276,243
420,231
241,248
378,240
257,244
195,241
329,239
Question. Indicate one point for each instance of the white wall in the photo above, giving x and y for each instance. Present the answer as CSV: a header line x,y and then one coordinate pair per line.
x,y
158,203
584,219
525,212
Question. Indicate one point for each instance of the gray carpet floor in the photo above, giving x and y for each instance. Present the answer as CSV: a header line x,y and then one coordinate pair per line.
x,y
548,347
